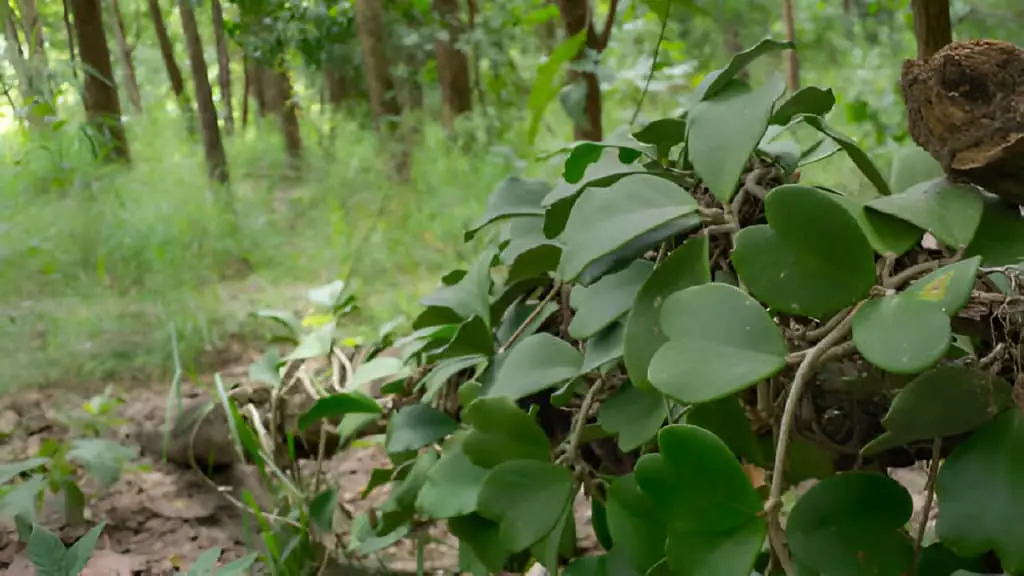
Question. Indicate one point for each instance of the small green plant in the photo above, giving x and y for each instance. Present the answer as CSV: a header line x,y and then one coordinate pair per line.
x,y
47,553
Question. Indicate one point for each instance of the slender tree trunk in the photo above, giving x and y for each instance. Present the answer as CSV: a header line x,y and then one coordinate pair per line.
x,y
370,27
265,92
223,66
102,107
170,62
932,27
792,60
246,88
288,114
66,14
16,55
213,148
36,42
125,56
452,64
576,15
413,83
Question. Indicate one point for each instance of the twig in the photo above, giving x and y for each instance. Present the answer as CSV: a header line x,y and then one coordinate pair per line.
x,y
654,63
800,380
581,418
815,334
533,315
907,275
933,472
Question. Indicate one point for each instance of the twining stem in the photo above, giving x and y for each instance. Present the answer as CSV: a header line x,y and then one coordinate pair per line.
x,y
529,319
933,472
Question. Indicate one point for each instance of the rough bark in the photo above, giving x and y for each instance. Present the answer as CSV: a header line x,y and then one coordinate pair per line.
x,y
223,66
965,106
213,148
102,107
792,59
452,64
931,26
167,55
124,51
68,29
281,85
370,28
576,18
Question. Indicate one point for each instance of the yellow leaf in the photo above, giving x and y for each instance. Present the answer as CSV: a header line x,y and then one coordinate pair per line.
x,y
316,320
351,342
935,291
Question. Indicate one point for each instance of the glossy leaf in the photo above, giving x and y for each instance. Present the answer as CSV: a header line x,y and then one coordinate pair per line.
x,y
500,432
451,487
949,287
717,83
526,498
807,100
607,300
951,212
603,348
912,165
727,419
887,234
635,415
901,334
635,524
336,406
858,156
999,239
539,362
416,426
514,197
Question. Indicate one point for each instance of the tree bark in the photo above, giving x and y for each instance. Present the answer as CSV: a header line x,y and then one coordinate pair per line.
x,y
36,42
246,88
280,86
576,17
223,66
16,56
452,64
213,148
125,57
102,107
170,62
370,28
932,27
66,14
792,59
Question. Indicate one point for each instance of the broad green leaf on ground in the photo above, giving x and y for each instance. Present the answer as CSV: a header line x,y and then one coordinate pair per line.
x,y
238,566
633,414
546,85
20,499
901,334
851,524
980,490
724,129
416,426
808,100
635,249
79,553
999,239
812,259
519,313
265,368
443,372
664,133
946,401
539,362
603,347
951,212
514,197
471,295
500,432
726,419
684,267
604,219
949,287
317,342
912,165
451,487
526,498
635,524
721,341
606,300
376,369
46,552
103,459
715,85
887,234
605,171
336,406
859,157
714,515
481,536
13,469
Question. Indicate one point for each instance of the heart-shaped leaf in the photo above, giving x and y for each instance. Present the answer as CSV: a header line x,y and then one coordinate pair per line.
x,y
901,334
912,165
887,234
811,260
526,498
714,515
949,286
951,212
946,401
608,299
634,414
539,362
471,295
604,219
852,524
635,524
999,239
664,133
451,486
980,489
500,431
514,197
728,420
416,426
603,347
686,266
721,341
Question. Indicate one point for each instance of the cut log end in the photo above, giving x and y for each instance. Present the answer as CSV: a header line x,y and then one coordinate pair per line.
x,y
965,106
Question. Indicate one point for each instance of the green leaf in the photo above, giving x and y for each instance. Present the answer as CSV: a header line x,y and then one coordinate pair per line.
x,y
946,401
47,553
664,133
283,318
329,295
526,498
951,212
807,459
725,129
103,459
416,426
604,219
501,432
721,341
913,165
452,486
238,566
315,343
887,234
537,363
546,86
635,524
808,100
938,560
633,414
859,157
714,515
336,406
607,300
583,153
949,287
636,248
205,562
471,295
514,197
901,334
811,260
721,79
999,239
481,536
727,419
377,369
20,499
444,370
606,170
14,469
852,524
684,267
322,508
603,348
404,494
265,369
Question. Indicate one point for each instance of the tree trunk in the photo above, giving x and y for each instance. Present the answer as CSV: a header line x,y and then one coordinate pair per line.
x,y
337,88
223,66
452,64
125,57
932,27
414,79
73,60
38,65
102,107
246,88
576,17
792,60
283,99
370,27
213,148
170,62
16,56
